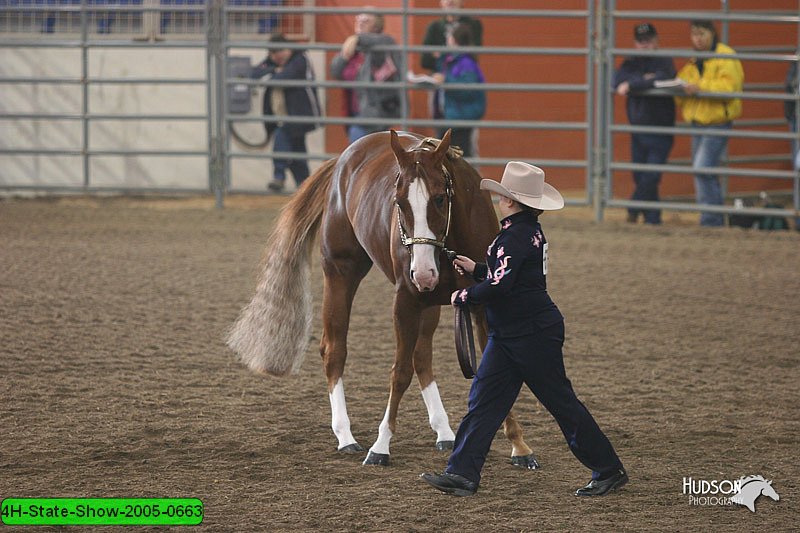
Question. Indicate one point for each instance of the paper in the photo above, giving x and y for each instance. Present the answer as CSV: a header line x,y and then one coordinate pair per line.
x,y
420,78
664,84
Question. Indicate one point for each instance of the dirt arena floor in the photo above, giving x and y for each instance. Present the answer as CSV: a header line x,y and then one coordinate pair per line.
x,y
116,382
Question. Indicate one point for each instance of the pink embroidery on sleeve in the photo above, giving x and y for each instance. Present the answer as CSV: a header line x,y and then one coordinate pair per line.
x,y
500,252
506,224
463,295
501,271
537,239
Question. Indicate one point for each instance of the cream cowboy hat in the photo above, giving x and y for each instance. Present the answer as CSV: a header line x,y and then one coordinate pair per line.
x,y
525,184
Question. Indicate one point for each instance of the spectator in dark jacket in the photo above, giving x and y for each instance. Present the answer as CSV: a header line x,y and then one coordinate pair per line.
x,y
287,64
461,104
436,35
637,74
790,109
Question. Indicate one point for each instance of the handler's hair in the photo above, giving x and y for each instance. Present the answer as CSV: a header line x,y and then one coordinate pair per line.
x,y
523,207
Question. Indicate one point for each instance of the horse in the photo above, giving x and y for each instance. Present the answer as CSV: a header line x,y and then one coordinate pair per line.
x,y
750,488
395,200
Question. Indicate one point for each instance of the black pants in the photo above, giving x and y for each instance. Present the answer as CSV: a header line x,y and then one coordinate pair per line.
x,y
537,361
288,141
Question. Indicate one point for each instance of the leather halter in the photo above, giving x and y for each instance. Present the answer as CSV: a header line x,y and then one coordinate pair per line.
x,y
407,241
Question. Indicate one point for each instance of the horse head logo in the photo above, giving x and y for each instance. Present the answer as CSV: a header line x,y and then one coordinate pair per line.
x,y
750,488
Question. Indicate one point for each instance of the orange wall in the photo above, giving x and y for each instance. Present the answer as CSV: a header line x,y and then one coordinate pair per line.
x,y
545,106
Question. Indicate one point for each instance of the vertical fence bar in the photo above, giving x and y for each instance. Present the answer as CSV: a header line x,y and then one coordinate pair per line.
x,y
85,93
795,150
216,89
724,179
608,101
223,89
590,92
404,68
601,168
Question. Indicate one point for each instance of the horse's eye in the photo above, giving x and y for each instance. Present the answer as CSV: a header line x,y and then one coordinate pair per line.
x,y
439,200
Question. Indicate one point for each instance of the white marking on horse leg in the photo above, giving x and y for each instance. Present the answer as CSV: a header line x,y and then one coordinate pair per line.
x,y
384,436
340,422
437,416
426,276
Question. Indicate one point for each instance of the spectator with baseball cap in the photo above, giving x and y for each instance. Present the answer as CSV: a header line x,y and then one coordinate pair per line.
x,y
636,75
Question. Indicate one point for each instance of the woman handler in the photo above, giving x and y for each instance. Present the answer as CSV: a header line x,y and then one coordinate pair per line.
x,y
526,335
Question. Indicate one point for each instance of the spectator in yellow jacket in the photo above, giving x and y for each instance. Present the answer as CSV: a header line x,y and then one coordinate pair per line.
x,y
709,114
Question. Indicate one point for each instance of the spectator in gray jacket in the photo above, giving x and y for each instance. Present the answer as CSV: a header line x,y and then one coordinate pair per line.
x,y
357,61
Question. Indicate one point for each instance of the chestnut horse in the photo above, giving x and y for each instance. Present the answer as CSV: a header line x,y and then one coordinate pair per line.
x,y
393,200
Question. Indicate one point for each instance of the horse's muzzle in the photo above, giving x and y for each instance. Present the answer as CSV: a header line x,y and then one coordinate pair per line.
x,y
425,281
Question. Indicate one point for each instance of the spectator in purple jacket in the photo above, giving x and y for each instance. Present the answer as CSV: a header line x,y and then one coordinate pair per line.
x,y
461,104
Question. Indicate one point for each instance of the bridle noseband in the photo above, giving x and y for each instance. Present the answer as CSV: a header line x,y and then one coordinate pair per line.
x,y
407,241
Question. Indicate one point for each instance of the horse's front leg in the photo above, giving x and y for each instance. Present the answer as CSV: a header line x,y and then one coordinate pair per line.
x,y
521,453
423,366
407,314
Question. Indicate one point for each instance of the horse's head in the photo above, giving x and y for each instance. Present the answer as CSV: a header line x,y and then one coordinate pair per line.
x,y
423,195
767,490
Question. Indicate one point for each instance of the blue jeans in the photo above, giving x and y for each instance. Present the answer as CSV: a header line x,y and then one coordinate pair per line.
x,y
285,141
707,151
650,149
795,144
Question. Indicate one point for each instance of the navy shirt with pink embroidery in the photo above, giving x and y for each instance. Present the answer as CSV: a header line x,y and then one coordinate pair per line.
x,y
513,282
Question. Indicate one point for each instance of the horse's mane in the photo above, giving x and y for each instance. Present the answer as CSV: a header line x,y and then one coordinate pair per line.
x,y
432,143
745,480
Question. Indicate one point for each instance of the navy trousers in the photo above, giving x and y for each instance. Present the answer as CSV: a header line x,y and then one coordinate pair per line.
x,y
537,361
648,149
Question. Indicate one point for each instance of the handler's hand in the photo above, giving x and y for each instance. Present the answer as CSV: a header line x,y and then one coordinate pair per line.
x,y
453,297
691,88
463,264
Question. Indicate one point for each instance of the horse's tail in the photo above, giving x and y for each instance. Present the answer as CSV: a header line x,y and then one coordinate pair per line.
x,y
272,332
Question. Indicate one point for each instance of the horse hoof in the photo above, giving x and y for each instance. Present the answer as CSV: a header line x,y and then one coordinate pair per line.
x,y
443,445
376,459
351,449
525,461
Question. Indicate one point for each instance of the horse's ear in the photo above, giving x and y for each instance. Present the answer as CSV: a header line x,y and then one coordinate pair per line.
x,y
443,147
403,157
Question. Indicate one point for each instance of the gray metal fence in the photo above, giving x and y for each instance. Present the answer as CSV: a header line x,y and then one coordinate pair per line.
x,y
744,129
220,29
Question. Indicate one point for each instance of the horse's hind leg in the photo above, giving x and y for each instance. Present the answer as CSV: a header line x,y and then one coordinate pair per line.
x,y
342,277
521,453
423,366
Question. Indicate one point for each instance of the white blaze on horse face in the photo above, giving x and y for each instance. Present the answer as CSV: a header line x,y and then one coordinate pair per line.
x,y
437,416
424,273
340,422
